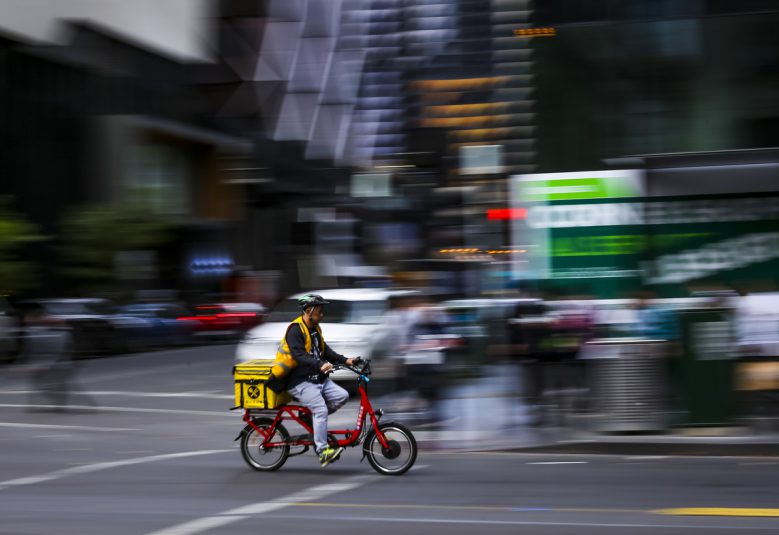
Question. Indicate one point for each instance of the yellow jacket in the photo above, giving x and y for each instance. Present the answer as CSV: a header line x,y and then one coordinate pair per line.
x,y
285,362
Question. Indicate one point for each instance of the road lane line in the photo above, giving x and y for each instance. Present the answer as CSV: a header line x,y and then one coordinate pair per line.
x,y
101,377
199,395
104,408
535,509
496,508
95,374
247,511
74,427
89,468
375,519
560,462
719,511
344,417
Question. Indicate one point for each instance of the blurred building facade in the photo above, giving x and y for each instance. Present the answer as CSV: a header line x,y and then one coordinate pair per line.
x,y
360,111
651,77
683,93
321,142
101,111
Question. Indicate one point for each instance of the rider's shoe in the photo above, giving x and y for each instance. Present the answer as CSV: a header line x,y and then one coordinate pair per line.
x,y
328,455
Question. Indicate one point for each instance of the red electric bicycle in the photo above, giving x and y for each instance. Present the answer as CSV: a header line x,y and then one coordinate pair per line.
x,y
390,447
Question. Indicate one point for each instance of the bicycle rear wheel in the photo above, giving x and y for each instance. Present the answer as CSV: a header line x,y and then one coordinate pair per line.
x,y
264,459
400,453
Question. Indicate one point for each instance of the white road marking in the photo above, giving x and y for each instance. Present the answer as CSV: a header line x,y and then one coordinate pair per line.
x,y
560,462
247,511
343,418
89,468
118,409
203,395
155,370
74,427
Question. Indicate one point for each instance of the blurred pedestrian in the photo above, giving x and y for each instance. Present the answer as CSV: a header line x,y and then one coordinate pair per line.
x,y
528,329
425,357
48,355
392,338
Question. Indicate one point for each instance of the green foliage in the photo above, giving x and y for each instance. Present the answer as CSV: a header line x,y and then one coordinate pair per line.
x,y
93,236
16,274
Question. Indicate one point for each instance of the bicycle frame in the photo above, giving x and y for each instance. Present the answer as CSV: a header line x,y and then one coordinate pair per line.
x,y
295,412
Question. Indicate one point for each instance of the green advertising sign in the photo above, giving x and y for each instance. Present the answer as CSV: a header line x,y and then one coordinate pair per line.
x,y
581,186
610,245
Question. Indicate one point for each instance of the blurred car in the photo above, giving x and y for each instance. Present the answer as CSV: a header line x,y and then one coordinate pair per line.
x,y
9,332
350,326
164,324
483,325
570,324
97,329
226,320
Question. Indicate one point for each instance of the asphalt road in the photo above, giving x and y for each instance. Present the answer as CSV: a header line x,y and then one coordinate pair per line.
x,y
145,446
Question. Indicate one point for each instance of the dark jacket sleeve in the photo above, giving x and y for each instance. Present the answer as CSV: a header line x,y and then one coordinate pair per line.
x,y
332,356
297,347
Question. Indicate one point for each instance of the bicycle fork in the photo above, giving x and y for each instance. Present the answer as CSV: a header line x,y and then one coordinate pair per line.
x,y
377,414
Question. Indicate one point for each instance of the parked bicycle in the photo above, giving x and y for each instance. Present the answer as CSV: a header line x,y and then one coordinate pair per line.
x,y
390,447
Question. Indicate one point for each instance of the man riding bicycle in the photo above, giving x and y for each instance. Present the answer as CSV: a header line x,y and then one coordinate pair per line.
x,y
308,381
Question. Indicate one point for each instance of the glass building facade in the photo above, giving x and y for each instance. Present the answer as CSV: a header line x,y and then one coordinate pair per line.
x,y
660,76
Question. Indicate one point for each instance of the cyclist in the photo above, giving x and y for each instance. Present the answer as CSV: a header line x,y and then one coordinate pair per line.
x,y
308,381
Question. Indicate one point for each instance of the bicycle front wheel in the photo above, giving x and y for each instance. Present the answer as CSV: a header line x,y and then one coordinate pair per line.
x,y
400,453
258,457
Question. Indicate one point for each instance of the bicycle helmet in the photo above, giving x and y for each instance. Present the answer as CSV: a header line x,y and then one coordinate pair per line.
x,y
311,300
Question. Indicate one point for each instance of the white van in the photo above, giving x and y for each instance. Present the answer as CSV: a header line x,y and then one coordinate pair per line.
x,y
757,325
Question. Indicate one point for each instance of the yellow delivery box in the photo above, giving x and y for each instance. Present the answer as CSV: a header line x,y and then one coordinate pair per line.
x,y
250,389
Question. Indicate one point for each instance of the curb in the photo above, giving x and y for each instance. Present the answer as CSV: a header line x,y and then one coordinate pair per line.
x,y
702,449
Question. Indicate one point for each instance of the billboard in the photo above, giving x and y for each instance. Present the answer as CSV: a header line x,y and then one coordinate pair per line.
x,y
599,233
569,229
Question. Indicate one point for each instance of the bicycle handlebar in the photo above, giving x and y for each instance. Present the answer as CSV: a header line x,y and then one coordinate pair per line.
x,y
365,371
366,367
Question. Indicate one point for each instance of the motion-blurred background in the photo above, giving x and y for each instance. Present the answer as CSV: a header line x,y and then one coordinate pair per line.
x,y
572,171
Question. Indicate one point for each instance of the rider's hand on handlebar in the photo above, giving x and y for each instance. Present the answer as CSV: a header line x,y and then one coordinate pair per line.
x,y
356,361
326,367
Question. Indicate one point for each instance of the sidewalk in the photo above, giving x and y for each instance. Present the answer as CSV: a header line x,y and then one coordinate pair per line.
x,y
486,415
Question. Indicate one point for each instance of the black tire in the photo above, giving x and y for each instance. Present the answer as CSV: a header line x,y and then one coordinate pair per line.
x,y
401,454
261,459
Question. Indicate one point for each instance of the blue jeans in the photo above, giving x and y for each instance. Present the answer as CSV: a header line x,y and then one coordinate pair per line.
x,y
321,399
